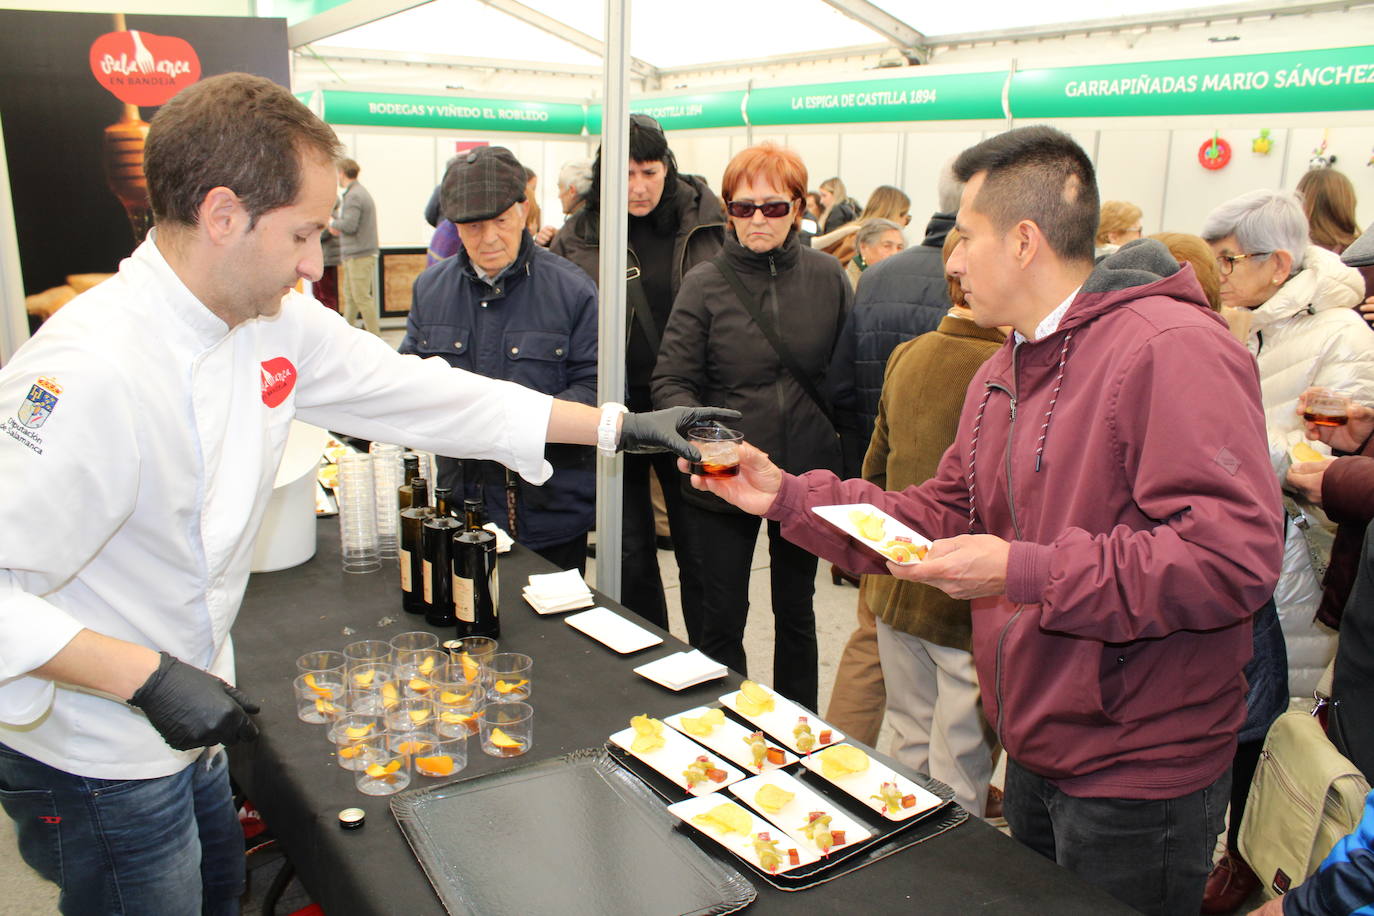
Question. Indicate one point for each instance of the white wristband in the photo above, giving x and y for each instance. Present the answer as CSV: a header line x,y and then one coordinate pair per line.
x,y
607,435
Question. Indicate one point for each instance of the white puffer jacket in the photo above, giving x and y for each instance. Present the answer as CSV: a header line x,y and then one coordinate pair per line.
x,y
1308,333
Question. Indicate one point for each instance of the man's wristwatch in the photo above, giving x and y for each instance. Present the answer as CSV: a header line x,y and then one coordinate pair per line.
x,y
607,434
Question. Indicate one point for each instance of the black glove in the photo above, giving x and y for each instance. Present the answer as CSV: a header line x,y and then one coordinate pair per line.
x,y
663,430
191,708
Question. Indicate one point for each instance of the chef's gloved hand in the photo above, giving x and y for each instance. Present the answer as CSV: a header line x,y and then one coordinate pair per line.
x,y
191,708
664,430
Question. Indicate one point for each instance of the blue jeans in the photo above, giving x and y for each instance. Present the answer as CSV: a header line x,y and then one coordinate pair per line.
x,y
1153,854
170,846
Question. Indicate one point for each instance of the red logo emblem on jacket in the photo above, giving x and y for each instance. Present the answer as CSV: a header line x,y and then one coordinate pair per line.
x,y
278,378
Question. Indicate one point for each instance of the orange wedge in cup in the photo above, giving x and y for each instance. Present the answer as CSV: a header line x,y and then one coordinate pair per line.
x,y
350,751
501,739
419,685
449,698
435,766
358,731
427,665
377,771
410,748
325,707
364,678
470,668
508,686
326,692
419,715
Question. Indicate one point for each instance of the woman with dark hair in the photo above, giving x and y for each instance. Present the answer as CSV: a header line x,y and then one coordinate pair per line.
x,y
754,330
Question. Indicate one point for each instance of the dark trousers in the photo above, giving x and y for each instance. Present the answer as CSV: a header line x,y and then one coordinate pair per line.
x,y
641,586
568,555
1151,854
725,545
326,289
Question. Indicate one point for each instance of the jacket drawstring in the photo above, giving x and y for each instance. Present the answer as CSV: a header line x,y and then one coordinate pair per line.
x,y
973,460
1054,396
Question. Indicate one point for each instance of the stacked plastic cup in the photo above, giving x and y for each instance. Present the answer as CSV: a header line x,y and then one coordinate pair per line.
x,y
357,514
387,472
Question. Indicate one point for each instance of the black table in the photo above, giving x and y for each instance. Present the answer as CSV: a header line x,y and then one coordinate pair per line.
x,y
583,692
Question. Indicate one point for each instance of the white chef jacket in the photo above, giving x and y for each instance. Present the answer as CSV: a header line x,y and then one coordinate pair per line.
x,y
134,477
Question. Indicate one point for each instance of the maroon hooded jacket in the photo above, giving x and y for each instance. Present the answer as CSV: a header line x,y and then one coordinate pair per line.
x,y
1124,457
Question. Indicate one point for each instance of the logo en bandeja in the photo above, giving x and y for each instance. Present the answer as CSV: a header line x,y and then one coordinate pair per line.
x,y
278,378
141,68
40,403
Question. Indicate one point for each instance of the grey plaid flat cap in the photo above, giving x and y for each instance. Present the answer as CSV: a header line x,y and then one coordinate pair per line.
x,y
481,184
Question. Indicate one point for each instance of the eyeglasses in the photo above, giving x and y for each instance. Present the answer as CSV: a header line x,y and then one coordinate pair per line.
x,y
1227,262
741,209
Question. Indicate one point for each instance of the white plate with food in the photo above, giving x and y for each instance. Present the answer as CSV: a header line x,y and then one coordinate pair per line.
x,y
878,531
810,819
788,723
678,757
711,727
745,834
873,783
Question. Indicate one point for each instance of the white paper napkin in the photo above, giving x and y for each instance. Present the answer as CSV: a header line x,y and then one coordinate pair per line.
x,y
559,586
682,670
608,627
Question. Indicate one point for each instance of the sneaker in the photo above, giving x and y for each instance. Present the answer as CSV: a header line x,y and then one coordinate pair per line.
x,y
1229,885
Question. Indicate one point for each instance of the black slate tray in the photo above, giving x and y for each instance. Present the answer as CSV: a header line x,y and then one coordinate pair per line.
x,y
573,835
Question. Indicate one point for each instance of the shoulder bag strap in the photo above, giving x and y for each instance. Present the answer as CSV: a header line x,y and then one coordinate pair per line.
x,y
774,339
640,312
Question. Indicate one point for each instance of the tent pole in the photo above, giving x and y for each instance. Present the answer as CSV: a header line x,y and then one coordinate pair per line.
x,y
610,374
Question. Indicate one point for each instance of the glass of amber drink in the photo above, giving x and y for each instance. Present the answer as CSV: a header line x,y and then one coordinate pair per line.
x,y
1326,406
719,449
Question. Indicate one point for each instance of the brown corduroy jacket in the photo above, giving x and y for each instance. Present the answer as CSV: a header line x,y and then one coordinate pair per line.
x,y
918,417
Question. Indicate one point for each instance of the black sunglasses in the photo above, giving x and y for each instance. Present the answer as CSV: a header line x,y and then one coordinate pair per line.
x,y
741,209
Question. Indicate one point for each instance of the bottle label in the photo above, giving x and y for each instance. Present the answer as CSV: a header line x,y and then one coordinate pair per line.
x,y
428,583
407,585
462,599
495,584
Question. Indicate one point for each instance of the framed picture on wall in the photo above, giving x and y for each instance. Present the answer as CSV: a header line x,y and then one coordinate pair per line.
x,y
398,268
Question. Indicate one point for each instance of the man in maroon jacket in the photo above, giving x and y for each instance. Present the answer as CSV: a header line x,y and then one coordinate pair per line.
x,y
1109,506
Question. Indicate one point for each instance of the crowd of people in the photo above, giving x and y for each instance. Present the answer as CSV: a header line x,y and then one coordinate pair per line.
x,y
1090,562
1097,430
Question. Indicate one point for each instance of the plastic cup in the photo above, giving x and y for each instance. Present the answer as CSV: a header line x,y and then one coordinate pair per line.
x,y
321,661
372,688
387,474
357,514
408,715
719,449
319,697
347,734
409,647
367,652
509,677
387,773
457,704
447,756
506,729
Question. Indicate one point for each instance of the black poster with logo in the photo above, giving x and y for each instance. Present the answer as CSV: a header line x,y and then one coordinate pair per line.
x,y
76,93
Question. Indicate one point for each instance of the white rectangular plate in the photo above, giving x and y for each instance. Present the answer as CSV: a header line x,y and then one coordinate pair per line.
x,y
793,816
677,752
864,785
729,740
895,534
682,670
606,626
563,608
782,719
740,844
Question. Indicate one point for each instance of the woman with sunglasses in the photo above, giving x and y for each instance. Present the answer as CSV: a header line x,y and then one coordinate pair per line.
x,y
717,350
1303,332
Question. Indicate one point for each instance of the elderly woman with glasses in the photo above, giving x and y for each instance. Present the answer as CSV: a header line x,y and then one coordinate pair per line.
x,y
1303,332
754,330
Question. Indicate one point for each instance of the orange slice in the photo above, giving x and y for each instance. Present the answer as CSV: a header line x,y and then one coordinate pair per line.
x,y
419,715
435,766
455,718
508,686
449,698
470,668
324,706
326,692
350,751
501,739
410,748
358,731
427,665
364,678
419,685
377,771
390,695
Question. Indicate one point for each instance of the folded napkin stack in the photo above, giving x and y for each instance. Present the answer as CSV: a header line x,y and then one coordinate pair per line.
x,y
682,670
552,593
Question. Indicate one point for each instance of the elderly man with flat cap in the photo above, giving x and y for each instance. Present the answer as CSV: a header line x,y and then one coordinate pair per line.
x,y
508,309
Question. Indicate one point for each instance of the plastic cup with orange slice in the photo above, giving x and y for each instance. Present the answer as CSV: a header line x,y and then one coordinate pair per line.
x,y
506,729
511,675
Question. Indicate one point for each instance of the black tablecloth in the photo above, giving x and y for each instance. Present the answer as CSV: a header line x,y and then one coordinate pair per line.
x,y
583,692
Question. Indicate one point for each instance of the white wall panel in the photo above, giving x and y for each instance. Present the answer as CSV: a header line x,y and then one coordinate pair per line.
x,y
1193,191
1130,166
1353,147
704,155
398,170
821,153
926,152
868,160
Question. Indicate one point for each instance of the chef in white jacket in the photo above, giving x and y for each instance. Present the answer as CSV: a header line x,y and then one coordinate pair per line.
x,y
140,431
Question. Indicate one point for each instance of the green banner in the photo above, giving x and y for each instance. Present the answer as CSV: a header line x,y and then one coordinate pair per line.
x,y
683,112
441,112
952,97
1334,79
